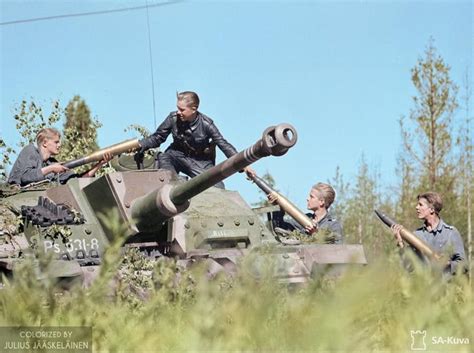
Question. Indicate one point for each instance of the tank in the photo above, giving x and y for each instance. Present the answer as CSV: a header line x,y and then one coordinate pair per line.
x,y
160,213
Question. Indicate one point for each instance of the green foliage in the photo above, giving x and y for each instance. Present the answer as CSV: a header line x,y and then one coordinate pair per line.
x,y
429,147
76,143
80,132
360,224
465,167
140,129
56,232
429,161
79,136
11,223
322,236
79,124
370,308
340,206
30,118
406,192
6,153
140,305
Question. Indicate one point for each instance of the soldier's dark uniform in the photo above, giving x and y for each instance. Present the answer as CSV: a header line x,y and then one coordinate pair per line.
x,y
444,239
27,168
328,227
193,148
333,229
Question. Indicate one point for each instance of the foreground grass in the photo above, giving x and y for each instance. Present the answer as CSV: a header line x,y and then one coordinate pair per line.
x,y
373,308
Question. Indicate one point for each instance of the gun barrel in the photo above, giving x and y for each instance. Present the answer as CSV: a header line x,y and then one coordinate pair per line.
x,y
408,236
276,140
285,204
122,147
151,210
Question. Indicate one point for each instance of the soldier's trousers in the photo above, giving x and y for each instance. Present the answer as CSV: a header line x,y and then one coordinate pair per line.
x,y
179,162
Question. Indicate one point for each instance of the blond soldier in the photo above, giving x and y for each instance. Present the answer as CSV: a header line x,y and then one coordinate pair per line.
x,y
439,236
37,163
320,199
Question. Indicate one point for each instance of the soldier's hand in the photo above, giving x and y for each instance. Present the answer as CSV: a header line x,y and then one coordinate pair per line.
x,y
311,229
106,158
272,198
139,155
56,168
250,172
396,228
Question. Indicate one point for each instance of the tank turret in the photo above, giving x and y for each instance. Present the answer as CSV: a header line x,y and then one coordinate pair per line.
x,y
152,209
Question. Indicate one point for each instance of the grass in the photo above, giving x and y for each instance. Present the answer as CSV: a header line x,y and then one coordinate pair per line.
x,y
139,306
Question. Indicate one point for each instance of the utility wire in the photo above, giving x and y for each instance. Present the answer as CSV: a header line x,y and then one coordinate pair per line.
x,y
87,13
151,64
147,7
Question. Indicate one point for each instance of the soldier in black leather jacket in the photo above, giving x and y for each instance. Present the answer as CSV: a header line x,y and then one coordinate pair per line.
x,y
194,139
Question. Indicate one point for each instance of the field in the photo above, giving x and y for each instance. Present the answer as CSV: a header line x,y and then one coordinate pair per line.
x,y
139,306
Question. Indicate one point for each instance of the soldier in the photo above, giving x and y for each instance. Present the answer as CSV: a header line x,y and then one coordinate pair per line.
x,y
37,163
440,237
320,198
194,139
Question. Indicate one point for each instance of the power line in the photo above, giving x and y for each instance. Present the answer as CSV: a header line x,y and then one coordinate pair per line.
x,y
151,64
81,14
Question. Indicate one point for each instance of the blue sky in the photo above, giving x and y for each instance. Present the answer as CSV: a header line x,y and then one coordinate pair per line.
x,y
337,71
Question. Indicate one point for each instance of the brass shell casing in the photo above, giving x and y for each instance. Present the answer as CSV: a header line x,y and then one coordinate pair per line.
x,y
122,147
294,212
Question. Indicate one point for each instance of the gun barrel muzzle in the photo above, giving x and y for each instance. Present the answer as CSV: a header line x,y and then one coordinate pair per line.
x,y
276,140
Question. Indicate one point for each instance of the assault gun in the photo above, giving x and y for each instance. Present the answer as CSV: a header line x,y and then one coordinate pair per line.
x,y
114,150
285,204
409,237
